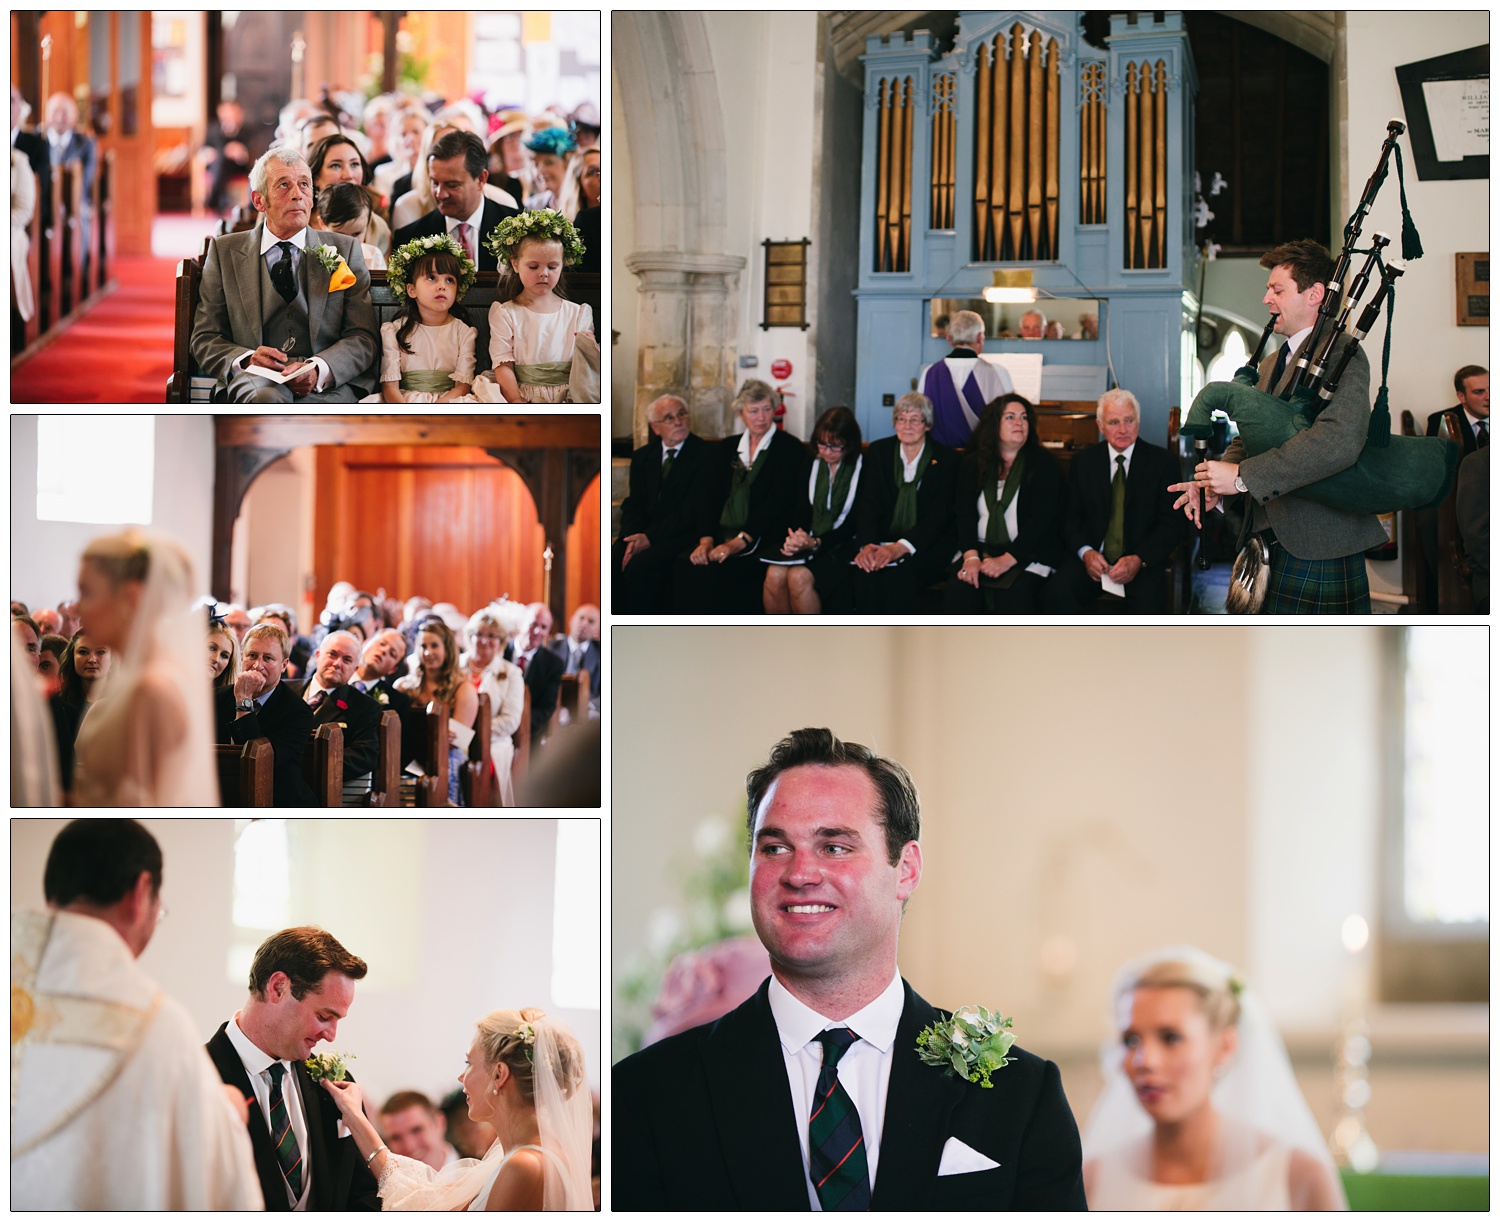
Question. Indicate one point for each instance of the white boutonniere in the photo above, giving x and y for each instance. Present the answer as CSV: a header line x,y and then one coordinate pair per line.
x,y
380,696
329,1065
327,256
971,1044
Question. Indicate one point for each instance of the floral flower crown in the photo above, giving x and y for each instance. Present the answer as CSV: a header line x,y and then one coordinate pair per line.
x,y
404,256
556,140
505,239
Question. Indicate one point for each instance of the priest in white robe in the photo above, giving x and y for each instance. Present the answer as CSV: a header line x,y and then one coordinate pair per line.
x,y
962,383
114,1103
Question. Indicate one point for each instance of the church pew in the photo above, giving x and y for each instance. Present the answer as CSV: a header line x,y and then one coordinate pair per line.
x,y
385,780
49,287
520,758
323,765
574,695
104,218
245,773
70,227
474,310
475,780
432,754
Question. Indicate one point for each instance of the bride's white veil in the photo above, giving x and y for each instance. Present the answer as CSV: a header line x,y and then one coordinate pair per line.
x,y
1257,1093
154,746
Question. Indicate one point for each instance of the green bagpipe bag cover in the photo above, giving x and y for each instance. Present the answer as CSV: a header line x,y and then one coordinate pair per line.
x,y
1402,473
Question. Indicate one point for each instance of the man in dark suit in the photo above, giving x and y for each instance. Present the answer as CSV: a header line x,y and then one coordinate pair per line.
x,y
1120,527
331,697
715,1118
301,985
658,517
541,669
376,678
579,650
259,706
269,300
459,168
1471,414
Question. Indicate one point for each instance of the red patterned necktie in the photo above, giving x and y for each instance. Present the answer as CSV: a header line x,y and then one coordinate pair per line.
x,y
835,1142
464,231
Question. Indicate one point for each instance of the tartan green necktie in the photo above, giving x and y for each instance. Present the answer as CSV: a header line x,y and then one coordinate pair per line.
x,y
1114,537
835,1142
287,1153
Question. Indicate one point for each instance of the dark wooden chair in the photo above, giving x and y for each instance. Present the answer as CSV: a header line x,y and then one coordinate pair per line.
x,y
245,773
385,780
477,779
323,765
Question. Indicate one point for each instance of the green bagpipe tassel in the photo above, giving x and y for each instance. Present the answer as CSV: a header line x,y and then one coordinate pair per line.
x,y
1404,473
1379,435
1411,240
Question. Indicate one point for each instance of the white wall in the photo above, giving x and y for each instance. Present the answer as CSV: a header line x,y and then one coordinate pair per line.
x,y
476,898
623,295
44,555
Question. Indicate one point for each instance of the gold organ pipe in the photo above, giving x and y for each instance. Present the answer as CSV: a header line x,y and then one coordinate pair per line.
x,y
1147,135
1054,87
982,168
1161,163
882,190
1016,204
999,125
908,117
893,172
1034,148
950,154
1132,137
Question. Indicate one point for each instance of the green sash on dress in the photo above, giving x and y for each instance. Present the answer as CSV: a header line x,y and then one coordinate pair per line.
x,y
428,381
548,373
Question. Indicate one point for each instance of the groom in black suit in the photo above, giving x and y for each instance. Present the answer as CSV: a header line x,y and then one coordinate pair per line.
x,y
301,985
736,1114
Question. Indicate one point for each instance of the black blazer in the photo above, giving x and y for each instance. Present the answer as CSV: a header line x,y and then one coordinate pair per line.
x,y
340,1179
587,224
591,660
360,718
544,677
704,1121
773,496
664,510
1152,529
1037,515
400,703
802,514
1461,419
878,487
435,222
288,723
39,152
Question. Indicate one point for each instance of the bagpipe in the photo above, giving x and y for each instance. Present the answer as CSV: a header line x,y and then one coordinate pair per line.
x,y
1392,472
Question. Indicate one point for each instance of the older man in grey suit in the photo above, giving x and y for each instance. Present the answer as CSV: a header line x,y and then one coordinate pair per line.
x,y
271,300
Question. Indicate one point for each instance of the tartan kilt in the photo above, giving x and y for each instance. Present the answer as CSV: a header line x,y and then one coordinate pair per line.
x,y
1339,586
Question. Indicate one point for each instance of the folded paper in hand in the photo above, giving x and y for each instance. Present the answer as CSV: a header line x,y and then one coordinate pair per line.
x,y
290,373
959,1159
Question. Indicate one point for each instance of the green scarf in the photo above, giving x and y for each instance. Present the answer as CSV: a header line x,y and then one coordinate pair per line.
x,y
433,381
905,515
737,507
825,511
996,534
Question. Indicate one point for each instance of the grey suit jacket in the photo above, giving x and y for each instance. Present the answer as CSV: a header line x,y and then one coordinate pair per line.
x,y
228,321
1334,441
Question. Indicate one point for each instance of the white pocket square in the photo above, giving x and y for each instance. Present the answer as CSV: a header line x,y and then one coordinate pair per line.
x,y
959,1158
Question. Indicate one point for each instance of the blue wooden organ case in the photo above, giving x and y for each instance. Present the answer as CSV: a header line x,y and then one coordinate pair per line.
x,y
1027,147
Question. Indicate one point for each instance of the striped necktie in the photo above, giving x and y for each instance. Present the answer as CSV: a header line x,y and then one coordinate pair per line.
x,y
287,1153
835,1142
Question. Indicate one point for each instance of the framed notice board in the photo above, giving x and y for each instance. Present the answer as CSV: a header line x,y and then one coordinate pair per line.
x,y
785,302
1473,274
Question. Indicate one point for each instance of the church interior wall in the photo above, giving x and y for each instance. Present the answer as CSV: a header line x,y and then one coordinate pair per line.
x,y
278,537
407,1033
621,209
44,555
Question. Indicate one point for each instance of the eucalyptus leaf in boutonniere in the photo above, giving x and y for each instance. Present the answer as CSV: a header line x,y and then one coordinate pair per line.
x,y
327,256
971,1044
329,1065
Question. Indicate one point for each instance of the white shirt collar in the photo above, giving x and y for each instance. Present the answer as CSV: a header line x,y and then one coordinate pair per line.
x,y
269,239
256,1061
1476,421
474,219
745,444
1128,451
1294,341
798,1024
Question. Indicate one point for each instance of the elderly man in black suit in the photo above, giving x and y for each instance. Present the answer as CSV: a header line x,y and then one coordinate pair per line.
x,y
259,705
459,168
658,517
797,1124
276,297
334,700
1121,526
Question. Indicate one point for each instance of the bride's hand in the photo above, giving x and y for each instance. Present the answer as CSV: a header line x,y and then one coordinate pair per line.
x,y
348,1096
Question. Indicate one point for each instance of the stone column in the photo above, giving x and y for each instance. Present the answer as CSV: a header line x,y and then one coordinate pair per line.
x,y
686,329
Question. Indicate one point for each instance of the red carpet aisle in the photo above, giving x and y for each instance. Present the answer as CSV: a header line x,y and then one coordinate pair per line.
x,y
120,351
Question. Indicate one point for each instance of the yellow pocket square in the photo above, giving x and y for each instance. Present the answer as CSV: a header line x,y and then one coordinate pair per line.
x,y
342,278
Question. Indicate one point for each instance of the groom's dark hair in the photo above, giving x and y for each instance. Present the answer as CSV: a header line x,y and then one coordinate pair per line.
x,y
899,813
306,954
99,861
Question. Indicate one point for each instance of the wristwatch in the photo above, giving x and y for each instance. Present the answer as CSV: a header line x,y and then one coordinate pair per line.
x,y
244,706
1239,484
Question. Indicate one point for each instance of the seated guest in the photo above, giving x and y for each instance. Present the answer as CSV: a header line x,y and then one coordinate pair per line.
x,y
49,658
23,189
38,154
302,649
1033,325
813,569
259,705
376,678
961,384
411,196
579,650
376,120
393,178
29,634
458,168
345,208
225,152
328,693
336,159
587,176
47,620
904,534
1006,510
658,516
1471,414
223,652
70,144
507,157
541,668
471,1138
748,501
553,149
1120,525
68,611
433,675
314,128
415,1129
296,287
488,631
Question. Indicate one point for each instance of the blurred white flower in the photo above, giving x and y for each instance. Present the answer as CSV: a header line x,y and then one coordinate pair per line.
x,y
710,838
663,929
736,910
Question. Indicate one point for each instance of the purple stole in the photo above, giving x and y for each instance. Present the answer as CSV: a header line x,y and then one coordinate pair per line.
x,y
950,427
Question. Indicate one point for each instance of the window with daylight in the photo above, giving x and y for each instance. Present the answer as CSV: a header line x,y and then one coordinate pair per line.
x,y
95,469
576,915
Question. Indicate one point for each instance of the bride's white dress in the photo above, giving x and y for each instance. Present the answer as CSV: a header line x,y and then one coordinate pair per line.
x,y
407,1184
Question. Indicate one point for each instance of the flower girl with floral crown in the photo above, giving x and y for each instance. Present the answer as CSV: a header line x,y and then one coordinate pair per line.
x,y
428,355
533,327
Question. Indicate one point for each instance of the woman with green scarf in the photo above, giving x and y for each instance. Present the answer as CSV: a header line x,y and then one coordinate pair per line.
x,y
812,570
1009,494
747,507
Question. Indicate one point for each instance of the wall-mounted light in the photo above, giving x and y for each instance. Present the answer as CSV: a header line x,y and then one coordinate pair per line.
x,y
1011,285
